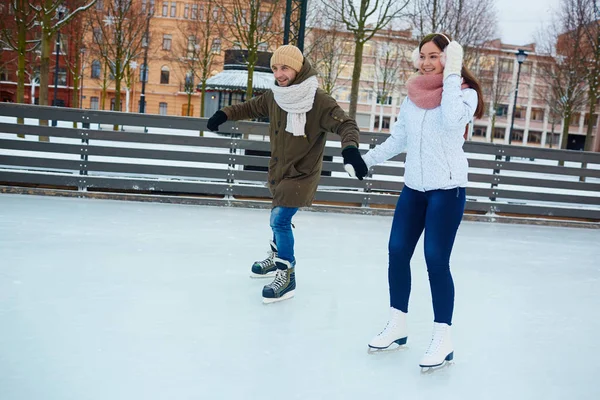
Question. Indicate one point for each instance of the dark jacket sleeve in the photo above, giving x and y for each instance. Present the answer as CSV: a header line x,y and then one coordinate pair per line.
x,y
334,119
256,107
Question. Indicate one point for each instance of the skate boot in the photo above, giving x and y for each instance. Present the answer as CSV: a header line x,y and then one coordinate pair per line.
x,y
265,268
440,350
284,284
394,332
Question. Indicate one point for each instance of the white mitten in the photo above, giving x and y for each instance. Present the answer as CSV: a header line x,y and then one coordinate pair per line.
x,y
454,58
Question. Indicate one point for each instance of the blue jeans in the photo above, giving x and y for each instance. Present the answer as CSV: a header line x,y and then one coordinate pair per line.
x,y
281,224
439,213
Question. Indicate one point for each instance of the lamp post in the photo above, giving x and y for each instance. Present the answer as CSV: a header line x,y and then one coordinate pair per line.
x,y
145,65
521,56
60,11
82,51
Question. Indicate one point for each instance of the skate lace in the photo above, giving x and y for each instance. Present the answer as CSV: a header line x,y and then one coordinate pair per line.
x,y
390,324
436,342
279,281
267,262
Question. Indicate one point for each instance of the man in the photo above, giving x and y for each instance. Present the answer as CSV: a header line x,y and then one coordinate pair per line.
x,y
300,116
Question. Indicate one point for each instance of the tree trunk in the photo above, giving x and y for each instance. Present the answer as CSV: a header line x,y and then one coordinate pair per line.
x,y
46,50
565,134
358,52
21,72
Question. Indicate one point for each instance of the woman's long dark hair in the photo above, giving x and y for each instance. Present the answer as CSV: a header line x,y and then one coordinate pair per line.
x,y
441,41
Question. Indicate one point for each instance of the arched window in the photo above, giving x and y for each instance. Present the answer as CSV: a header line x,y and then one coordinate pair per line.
x,y
164,75
96,69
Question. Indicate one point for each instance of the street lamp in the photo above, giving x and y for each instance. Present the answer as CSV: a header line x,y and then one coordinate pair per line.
x,y
82,51
521,56
146,43
60,11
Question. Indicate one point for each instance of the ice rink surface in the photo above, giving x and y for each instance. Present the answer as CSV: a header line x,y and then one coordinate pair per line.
x,y
109,300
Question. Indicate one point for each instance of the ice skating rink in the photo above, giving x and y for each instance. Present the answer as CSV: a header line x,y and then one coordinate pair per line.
x,y
118,300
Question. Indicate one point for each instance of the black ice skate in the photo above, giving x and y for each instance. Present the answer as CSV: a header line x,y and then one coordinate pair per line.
x,y
284,284
265,268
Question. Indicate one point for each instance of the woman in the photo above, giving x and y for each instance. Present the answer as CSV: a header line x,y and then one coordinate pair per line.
x,y
442,99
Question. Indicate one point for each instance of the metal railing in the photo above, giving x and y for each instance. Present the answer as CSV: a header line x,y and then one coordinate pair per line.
x,y
165,158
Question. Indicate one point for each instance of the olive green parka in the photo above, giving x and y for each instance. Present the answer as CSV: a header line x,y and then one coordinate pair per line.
x,y
296,161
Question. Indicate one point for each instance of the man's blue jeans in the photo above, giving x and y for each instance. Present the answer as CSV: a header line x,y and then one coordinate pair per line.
x,y
281,224
439,213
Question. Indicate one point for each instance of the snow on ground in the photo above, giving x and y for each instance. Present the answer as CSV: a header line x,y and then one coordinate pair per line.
x,y
122,300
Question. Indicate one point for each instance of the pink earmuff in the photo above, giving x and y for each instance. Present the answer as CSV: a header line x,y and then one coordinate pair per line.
x,y
416,55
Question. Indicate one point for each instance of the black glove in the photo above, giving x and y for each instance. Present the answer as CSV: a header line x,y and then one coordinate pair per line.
x,y
217,119
353,163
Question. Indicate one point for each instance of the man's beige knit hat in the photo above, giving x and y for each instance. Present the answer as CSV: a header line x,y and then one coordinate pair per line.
x,y
288,55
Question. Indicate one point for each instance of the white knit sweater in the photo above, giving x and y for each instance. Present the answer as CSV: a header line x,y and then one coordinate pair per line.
x,y
432,139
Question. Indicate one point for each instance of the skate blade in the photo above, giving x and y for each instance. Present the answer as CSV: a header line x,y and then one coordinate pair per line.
x,y
286,296
431,370
390,349
259,276
448,361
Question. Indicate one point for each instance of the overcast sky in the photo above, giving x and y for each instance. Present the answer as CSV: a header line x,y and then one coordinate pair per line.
x,y
519,20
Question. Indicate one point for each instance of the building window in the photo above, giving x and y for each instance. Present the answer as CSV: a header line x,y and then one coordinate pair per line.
x,y
517,136
194,11
191,47
387,100
501,110
537,114
62,76
478,132
94,103
99,4
173,9
97,34
144,2
162,108
164,75
506,66
95,69
520,112
385,124
586,122
167,42
186,11
575,119
165,9
216,45
143,73
3,75
189,81
498,133
263,47
534,137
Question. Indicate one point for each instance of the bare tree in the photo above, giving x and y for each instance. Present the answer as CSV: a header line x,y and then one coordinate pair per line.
x,y
52,15
324,47
16,36
74,33
568,71
118,34
364,18
391,68
471,23
589,12
253,24
496,86
194,50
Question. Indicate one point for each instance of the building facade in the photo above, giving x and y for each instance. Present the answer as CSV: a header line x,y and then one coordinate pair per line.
x,y
166,81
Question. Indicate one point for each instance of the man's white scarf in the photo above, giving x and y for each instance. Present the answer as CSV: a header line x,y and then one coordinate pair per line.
x,y
296,100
